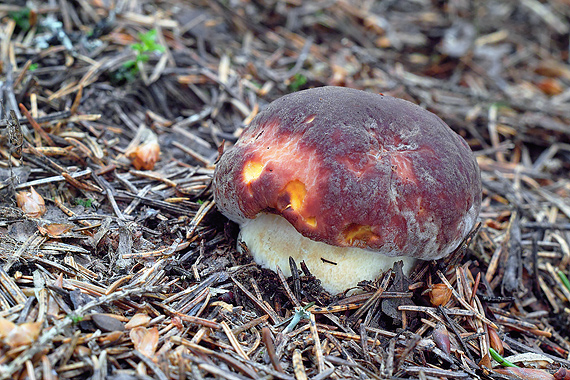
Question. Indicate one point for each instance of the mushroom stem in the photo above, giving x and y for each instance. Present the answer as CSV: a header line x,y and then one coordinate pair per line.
x,y
271,239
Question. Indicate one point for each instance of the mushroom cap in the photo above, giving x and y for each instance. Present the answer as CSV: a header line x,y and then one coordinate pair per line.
x,y
357,169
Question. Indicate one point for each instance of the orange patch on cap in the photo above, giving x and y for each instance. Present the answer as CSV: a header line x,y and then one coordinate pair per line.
x,y
357,235
294,194
403,167
251,171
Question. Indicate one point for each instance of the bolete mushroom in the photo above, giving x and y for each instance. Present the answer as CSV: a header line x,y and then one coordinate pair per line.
x,y
349,182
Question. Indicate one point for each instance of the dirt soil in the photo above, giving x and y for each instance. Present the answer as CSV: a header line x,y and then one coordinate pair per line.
x,y
116,264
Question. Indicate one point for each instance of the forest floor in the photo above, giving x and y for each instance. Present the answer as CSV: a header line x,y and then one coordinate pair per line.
x,y
116,266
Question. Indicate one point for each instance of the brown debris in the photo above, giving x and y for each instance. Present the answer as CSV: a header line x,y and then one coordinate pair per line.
x,y
127,269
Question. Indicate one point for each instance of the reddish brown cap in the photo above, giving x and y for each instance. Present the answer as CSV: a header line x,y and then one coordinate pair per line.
x,y
352,168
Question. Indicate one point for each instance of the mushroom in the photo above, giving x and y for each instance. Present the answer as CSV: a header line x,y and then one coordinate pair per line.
x,y
348,182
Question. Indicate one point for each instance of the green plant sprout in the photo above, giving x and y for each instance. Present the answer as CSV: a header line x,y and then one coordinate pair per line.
x,y
143,50
84,202
502,361
22,18
300,313
297,82
75,318
564,279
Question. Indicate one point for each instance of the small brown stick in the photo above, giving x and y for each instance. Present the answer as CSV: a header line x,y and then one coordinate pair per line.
x,y
192,153
256,290
318,348
47,368
272,314
334,308
63,172
270,346
51,117
52,164
87,152
68,212
152,175
388,369
231,361
295,275
475,286
150,364
200,321
343,335
233,340
298,367
410,346
35,125
363,342
340,348
56,178
288,291
32,242
77,100
80,185
388,334
455,331
494,263
464,303
11,288
115,285
137,200
342,362
23,71
200,214
250,324
371,300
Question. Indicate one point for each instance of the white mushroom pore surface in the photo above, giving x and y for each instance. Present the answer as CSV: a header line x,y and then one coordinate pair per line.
x,y
272,240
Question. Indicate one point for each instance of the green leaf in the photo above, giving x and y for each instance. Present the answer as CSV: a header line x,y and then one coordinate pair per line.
x,y
75,318
138,47
298,81
148,42
88,202
130,63
22,18
143,49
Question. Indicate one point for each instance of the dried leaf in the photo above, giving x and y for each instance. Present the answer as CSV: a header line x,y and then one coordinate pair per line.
x,y
23,334
145,156
486,361
550,86
144,150
441,338
107,323
111,337
31,203
55,229
496,342
439,294
5,327
138,320
145,340
525,373
531,359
